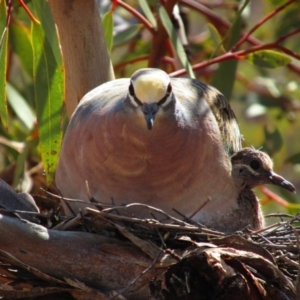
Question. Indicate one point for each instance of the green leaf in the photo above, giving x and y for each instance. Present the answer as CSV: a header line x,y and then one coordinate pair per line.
x,y
268,59
44,14
216,38
3,63
20,106
49,93
164,17
225,76
127,34
108,26
19,36
294,159
147,11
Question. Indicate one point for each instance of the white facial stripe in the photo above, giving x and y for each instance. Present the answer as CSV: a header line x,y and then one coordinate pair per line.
x,y
168,100
132,101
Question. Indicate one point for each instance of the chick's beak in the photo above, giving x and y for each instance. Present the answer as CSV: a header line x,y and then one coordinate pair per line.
x,y
149,111
280,181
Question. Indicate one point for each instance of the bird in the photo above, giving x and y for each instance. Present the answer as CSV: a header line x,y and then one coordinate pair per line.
x,y
151,139
250,168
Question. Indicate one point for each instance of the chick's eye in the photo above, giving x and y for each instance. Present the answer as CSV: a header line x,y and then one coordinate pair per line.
x,y
254,164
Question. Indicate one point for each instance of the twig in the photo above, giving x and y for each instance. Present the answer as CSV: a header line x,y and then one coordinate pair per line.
x,y
160,38
137,15
150,208
138,277
200,207
298,276
187,282
154,223
258,24
219,22
291,262
267,228
236,55
191,221
273,196
29,13
279,215
75,200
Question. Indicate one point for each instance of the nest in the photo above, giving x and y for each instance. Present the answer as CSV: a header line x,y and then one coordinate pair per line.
x,y
106,254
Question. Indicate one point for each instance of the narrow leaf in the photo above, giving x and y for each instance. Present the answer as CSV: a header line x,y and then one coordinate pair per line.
x,y
20,106
49,92
164,17
268,59
147,11
19,36
44,14
3,63
216,38
108,26
125,35
225,76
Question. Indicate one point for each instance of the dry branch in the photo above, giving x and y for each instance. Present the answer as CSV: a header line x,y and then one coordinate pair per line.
x,y
98,262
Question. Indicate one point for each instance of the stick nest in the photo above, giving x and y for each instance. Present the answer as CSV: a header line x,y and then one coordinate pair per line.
x,y
195,262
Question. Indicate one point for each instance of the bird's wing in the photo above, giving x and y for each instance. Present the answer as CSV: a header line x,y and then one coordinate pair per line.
x,y
224,115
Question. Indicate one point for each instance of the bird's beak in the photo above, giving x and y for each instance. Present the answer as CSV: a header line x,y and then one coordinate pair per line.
x,y
280,181
149,111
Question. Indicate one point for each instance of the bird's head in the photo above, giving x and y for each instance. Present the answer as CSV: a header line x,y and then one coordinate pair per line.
x,y
149,90
251,168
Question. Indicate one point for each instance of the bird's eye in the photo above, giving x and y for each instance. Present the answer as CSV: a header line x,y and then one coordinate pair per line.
x,y
131,89
255,164
169,89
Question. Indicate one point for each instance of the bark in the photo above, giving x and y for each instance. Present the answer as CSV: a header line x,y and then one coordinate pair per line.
x,y
86,60
98,262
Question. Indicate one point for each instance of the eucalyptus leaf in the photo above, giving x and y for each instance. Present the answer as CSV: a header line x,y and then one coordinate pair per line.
x,y
164,17
225,76
20,106
268,59
49,95
127,34
144,4
108,27
3,64
43,11
20,42
216,38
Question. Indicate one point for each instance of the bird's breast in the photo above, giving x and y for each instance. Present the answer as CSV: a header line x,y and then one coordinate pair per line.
x,y
169,166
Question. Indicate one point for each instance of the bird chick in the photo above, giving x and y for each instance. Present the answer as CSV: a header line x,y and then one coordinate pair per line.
x,y
250,168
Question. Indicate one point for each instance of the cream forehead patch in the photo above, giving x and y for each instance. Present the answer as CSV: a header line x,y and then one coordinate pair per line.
x,y
150,88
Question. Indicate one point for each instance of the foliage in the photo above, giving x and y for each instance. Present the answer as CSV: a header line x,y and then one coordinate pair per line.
x,y
249,52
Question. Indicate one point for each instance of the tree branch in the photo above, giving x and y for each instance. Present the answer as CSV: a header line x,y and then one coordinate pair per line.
x,y
86,60
97,261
